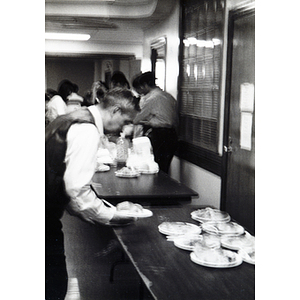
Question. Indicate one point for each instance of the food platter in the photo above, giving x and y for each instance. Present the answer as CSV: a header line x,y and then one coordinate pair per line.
x,y
144,213
236,260
229,228
238,242
148,172
210,215
178,228
187,242
127,173
103,168
134,210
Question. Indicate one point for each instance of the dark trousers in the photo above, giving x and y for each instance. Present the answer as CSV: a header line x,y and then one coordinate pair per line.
x,y
55,261
164,143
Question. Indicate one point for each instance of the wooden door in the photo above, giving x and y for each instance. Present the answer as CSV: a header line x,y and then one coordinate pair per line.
x,y
238,184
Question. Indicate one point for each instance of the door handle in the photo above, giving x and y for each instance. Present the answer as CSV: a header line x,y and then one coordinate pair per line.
x,y
227,149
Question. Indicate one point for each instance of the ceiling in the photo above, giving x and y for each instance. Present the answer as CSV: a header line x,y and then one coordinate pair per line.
x,y
106,21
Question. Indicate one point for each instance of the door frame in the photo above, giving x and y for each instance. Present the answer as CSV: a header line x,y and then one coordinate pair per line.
x,y
234,14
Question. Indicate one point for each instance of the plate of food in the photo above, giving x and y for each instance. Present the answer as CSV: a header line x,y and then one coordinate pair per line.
x,y
229,228
209,214
247,255
187,242
130,209
178,228
126,172
149,168
219,258
148,172
102,168
245,240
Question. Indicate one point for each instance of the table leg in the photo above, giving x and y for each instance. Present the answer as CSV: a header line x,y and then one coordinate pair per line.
x,y
123,260
141,290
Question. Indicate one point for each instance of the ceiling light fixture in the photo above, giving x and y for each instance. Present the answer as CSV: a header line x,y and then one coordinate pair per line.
x,y
67,36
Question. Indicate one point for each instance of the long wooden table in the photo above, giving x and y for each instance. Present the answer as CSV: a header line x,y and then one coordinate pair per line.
x,y
155,189
168,271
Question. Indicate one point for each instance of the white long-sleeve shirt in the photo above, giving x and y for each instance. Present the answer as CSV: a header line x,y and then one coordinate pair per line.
x,y
55,107
81,158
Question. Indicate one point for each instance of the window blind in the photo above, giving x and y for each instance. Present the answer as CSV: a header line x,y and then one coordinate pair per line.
x,y
199,91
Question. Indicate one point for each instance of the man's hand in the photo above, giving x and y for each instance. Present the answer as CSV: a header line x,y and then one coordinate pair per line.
x,y
121,219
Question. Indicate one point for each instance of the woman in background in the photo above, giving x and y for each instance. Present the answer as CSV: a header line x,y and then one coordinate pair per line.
x,y
58,103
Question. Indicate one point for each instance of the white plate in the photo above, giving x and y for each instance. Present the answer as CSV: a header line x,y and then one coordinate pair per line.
x,y
238,242
187,242
103,168
178,228
122,175
237,261
127,176
229,228
245,257
148,172
145,213
210,215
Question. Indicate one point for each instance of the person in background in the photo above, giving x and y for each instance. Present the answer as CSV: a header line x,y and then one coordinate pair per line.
x,y
72,142
74,101
99,89
87,99
76,88
58,103
49,94
159,118
118,79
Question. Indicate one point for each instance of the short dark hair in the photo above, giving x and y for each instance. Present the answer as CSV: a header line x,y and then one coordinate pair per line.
x,y
65,88
118,79
140,80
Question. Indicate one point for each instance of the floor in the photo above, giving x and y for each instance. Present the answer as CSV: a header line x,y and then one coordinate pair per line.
x,y
90,252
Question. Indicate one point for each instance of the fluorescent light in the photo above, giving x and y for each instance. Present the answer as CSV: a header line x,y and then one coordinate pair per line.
x,y
192,40
201,43
216,41
67,36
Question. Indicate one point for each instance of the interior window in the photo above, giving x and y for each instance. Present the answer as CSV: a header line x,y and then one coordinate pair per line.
x,y
200,78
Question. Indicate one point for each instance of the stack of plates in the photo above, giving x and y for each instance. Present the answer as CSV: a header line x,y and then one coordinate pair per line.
x,y
228,228
215,224
210,215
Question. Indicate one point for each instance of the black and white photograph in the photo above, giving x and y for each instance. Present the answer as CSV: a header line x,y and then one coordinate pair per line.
x,y
150,146
148,184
